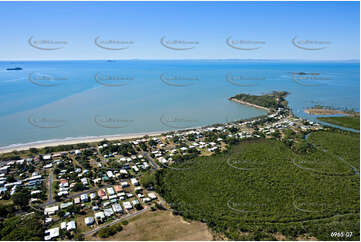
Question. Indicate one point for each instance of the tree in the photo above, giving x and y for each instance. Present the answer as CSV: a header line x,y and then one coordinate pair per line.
x,y
78,187
21,198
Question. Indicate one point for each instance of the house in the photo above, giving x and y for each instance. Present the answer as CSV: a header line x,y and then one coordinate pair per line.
x,y
127,205
46,157
121,194
106,203
51,210
108,212
117,188
99,216
110,174
135,168
71,225
146,200
117,208
152,196
48,166
92,196
63,183
101,193
35,192
65,205
84,181
77,200
48,220
51,233
63,193
110,191
63,225
89,221
135,202
84,197
124,184
123,171
134,181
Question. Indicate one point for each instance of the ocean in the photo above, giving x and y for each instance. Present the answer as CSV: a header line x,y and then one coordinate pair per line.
x,y
49,100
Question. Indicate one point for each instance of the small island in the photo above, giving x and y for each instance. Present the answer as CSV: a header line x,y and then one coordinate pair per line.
x,y
14,69
267,102
351,119
305,73
327,110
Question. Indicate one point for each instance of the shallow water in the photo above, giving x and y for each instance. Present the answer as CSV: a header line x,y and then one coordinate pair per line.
x,y
60,99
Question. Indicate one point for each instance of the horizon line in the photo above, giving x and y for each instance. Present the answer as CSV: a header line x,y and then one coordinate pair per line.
x,y
141,59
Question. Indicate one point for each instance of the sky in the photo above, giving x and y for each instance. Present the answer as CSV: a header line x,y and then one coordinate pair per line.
x,y
179,30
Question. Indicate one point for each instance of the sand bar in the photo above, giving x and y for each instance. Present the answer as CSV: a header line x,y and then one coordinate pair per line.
x,y
249,104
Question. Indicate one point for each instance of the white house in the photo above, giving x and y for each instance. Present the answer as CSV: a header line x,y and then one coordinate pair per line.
x,y
108,212
127,205
110,191
152,196
89,221
51,210
117,208
51,233
84,197
134,181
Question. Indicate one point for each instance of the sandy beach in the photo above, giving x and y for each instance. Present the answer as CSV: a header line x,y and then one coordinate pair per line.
x,y
249,104
71,141
321,111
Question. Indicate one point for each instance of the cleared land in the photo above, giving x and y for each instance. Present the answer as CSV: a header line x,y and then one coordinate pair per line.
x,y
160,225
347,121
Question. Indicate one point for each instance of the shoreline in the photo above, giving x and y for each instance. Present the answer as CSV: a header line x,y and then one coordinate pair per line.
x,y
91,139
75,140
249,104
322,111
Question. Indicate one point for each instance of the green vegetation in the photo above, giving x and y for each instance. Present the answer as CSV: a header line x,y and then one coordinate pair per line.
x,y
28,227
21,198
346,121
110,231
274,100
262,188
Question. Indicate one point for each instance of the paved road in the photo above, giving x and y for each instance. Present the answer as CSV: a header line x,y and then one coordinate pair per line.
x,y
50,196
147,156
116,221
78,194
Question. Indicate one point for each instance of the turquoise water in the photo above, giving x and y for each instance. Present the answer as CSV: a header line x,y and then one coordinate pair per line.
x,y
61,99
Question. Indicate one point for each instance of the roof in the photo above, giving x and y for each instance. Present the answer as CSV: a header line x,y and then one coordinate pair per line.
x,y
101,193
51,233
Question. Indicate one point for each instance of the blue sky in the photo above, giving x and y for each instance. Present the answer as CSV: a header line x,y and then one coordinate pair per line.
x,y
208,24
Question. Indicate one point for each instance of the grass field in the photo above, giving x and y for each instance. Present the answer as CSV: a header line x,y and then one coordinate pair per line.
x,y
160,225
346,121
263,190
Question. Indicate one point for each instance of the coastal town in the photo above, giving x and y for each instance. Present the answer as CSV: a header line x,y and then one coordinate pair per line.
x,y
81,191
